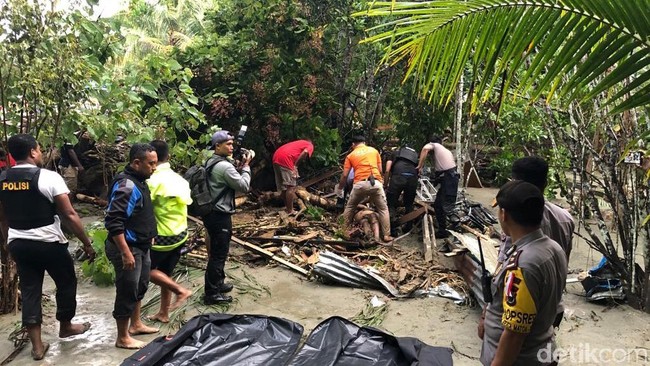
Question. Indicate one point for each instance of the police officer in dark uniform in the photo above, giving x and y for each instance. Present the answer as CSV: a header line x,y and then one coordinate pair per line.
x,y
34,203
401,176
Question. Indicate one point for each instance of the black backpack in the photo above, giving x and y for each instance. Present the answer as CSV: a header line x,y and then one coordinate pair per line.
x,y
197,176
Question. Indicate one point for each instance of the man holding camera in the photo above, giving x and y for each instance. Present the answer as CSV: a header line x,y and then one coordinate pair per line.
x,y
224,180
285,166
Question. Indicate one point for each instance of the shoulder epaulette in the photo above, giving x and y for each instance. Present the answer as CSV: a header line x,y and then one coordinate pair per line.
x,y
513,261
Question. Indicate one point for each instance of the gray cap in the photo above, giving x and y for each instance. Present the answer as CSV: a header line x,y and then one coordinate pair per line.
x,y
219,137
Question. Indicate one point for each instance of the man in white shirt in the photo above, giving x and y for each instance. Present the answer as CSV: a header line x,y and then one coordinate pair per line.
x,y
447,176
34,201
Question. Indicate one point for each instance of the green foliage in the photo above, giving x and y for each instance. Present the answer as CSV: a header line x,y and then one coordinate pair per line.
x,y
48,60
100,271
546,48
314,212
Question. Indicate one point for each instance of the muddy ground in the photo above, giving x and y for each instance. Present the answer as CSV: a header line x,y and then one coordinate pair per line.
x,y
590,334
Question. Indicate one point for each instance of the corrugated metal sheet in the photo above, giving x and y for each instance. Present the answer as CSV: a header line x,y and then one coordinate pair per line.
x,y
470,268
332,267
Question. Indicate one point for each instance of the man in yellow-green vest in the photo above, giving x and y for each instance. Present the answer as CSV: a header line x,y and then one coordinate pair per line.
x,y
170,195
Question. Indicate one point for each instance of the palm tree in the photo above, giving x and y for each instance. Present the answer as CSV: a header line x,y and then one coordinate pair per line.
x,y
572,49
159,28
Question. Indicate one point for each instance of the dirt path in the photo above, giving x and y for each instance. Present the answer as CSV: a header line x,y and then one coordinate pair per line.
x,y
589,330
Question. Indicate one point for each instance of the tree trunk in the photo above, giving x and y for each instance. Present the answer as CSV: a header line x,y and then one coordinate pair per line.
x,y
9,280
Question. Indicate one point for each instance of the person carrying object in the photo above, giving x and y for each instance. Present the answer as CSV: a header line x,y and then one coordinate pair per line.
x,y
285,167
401,177
447,176
366,162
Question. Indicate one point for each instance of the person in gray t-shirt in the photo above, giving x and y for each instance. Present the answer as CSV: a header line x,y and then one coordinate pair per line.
x,y
557,223
527,287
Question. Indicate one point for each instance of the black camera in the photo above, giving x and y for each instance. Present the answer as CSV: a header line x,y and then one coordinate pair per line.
x,y
239,153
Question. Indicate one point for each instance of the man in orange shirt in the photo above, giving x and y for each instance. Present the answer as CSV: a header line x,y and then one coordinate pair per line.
x,y
366,162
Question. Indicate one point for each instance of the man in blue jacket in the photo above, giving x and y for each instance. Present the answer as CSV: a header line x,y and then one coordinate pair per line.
x,y
131,226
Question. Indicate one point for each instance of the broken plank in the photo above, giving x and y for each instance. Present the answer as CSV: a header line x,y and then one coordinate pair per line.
x,y
269,255
412,215
320,178
428,254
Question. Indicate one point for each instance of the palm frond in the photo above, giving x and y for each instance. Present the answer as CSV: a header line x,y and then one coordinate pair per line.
x,y
545,48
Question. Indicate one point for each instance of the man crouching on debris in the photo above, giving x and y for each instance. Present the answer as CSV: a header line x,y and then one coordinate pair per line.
x,y
224,180
527,287
366,162
131,226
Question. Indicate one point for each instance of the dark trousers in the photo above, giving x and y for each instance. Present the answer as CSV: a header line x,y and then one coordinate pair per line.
x,y
33,258
446,196
219,226
130,285
398,184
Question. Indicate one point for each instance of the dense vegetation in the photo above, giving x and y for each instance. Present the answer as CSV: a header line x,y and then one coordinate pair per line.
x,y
568,82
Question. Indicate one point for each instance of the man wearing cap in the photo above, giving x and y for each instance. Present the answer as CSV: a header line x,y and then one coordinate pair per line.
x,y
366,163
285,167
527,287
447,175
224,180
401,176
557,223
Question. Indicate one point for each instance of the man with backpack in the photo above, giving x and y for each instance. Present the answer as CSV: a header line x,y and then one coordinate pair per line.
x,y
401,176
223,181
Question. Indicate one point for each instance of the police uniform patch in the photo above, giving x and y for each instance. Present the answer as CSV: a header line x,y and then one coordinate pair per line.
x,y
519,309
513,260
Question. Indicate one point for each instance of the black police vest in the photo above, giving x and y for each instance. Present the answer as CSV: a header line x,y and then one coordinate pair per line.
x,y
24,205
406,160
408,154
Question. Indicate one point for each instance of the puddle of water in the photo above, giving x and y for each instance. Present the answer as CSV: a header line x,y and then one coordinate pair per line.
x,y
95,347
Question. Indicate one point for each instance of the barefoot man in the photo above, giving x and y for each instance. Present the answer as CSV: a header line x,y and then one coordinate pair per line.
x,y
170,195
131,229
34,202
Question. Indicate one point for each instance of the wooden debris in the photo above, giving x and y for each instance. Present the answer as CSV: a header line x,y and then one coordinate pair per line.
x,y
428,238
269,255
415,214
489,252
485,240
321,177
89,199
304,195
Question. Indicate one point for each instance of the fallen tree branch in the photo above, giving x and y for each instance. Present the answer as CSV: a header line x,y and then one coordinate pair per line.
x,y
268,254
